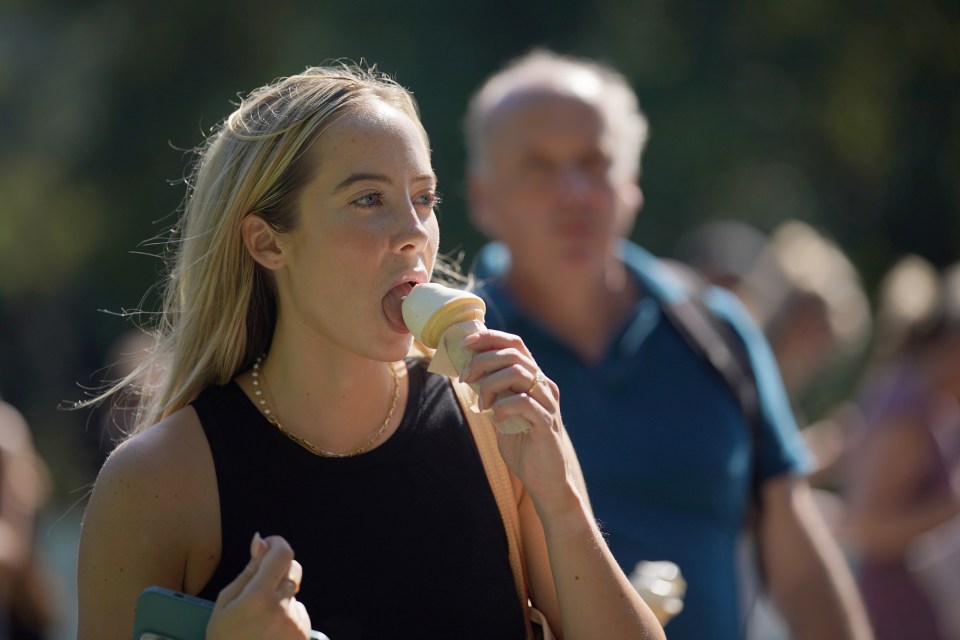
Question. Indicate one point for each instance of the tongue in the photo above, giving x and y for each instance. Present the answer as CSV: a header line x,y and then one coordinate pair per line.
x,y
392,303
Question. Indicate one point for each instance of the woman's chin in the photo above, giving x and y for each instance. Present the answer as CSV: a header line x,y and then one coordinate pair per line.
x,y
399,348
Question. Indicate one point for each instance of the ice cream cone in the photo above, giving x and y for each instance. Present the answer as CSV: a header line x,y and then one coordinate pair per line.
x,y
441,317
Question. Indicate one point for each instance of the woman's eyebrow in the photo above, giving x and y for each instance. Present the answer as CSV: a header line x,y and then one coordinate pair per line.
x,y
362,177
378,177
426,177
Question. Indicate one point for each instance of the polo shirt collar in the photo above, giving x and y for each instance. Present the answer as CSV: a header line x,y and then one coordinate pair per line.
x,y
493,261
658,284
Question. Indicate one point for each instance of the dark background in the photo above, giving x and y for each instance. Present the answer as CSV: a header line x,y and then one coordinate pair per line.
x,y
845,115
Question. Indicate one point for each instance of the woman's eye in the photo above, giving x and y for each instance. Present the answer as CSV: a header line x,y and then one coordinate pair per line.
x,y
430,199
369,201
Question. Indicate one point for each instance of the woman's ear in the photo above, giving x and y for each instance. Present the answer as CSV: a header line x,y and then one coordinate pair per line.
x,y
260,239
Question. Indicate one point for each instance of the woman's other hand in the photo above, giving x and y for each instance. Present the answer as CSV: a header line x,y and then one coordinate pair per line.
x,y
261,603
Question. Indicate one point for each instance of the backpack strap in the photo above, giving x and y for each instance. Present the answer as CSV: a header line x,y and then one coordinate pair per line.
x,y
714,340
485,436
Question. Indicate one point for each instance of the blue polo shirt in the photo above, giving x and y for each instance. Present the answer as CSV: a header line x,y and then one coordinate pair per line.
x,y
664,446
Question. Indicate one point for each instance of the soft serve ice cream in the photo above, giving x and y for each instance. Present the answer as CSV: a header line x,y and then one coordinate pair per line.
x,y
441,317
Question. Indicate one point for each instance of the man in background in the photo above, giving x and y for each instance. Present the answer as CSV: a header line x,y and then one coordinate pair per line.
x,y
554,145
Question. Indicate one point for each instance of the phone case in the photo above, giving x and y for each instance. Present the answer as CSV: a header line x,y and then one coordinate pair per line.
x,y
163,614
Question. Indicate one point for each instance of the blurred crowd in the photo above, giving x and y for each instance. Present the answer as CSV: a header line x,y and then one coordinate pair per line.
x,y
888,449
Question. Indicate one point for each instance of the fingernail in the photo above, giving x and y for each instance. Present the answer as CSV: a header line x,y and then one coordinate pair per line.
x,y
470,339
464,373
257,546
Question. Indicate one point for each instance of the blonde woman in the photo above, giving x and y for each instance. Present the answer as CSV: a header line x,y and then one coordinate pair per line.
x,y
289,417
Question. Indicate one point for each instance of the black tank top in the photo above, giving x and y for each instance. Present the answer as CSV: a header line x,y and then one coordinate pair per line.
x,y
404,541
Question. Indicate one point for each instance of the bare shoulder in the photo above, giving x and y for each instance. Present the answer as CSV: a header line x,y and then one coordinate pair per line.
x,y
153,511
157,471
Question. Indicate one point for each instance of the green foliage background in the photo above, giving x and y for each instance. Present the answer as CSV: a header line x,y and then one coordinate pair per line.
x,y
846,115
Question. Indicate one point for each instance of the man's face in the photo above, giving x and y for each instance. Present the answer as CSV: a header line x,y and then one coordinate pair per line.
x,y
548,192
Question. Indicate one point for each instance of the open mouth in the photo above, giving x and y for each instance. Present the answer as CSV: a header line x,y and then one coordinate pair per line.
x,y
392,306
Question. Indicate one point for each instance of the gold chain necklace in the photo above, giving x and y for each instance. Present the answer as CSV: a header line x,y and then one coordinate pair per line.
x,y
303,442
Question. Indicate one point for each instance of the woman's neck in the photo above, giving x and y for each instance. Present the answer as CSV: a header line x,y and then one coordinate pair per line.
x,y
334,399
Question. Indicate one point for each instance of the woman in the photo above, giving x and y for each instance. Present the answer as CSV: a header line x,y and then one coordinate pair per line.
x,y
287,405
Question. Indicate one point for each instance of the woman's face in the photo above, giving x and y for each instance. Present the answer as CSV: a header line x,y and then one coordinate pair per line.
x,y
367,231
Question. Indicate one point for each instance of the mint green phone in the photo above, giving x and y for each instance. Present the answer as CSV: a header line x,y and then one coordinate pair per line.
x,y
164,614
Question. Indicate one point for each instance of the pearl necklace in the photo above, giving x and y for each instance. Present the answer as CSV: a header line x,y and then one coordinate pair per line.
x,y
303,442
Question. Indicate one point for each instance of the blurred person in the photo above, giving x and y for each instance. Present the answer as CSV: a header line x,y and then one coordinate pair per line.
x,y
28,608
310,215
807,297
904,478
554,146
799,286
808,300
722,251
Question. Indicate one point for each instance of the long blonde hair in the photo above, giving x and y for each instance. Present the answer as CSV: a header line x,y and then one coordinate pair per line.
x,y
219,307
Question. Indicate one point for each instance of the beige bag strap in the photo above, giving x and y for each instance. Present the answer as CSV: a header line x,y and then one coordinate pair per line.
x,y
485,436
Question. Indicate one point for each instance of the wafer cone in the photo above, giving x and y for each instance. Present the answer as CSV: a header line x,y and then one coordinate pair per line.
x,y
441,317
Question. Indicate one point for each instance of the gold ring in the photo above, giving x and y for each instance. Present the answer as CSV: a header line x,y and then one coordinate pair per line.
x,y
537,379
288,588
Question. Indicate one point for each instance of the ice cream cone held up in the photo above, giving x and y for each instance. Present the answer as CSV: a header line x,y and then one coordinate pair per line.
x,y
441,317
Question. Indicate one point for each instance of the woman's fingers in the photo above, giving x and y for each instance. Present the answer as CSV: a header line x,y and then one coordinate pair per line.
x,y
497,374
299,613
488,339
502,367
512,379
525,407
486,362
275,566
258,546
290,585
261,601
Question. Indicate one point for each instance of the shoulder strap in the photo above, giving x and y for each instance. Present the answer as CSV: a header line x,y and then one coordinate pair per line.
x,y
485,436
713,340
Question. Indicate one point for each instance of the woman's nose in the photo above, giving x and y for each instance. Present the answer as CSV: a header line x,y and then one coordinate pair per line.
x,y
413,234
